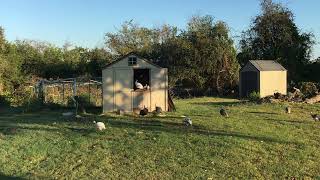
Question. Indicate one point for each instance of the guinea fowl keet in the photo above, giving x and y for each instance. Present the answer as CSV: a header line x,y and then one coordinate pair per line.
x,y
187,121
288,110
223,112
315,117
144,111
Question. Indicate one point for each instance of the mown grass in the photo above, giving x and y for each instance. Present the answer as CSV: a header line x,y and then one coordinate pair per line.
x,y
256,141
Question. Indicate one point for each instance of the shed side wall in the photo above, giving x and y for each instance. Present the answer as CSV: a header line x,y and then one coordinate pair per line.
x,y
246,68
272,82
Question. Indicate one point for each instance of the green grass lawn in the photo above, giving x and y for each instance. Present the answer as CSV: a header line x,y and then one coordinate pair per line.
x,y
256,141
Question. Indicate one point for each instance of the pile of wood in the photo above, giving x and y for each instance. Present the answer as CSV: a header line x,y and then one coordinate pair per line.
x,y
295,96
313,100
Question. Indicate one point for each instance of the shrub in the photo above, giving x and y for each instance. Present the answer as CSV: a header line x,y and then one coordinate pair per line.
x,y
83,102
309,89
254,96
4,101
32,104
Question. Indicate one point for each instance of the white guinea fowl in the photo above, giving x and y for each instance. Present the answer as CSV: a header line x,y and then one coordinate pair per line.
x,y
138,85
99,126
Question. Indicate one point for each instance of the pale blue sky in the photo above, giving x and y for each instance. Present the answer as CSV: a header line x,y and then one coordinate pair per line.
x,y
84,22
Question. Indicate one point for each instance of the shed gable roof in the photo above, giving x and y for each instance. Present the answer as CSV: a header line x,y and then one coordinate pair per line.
x,y
267,65
130,54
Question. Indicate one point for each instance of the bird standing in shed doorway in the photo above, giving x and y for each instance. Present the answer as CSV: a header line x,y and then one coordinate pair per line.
x,y
138,85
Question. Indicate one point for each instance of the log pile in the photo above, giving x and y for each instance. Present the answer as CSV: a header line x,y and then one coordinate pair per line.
x,y
313,100
295,96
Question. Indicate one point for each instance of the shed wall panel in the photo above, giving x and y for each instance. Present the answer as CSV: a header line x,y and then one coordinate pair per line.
x,y
107,87
249,81
141,99
159,87
122,89
272,82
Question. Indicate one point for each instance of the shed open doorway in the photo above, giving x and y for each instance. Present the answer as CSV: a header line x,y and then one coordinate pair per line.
x,y
142,76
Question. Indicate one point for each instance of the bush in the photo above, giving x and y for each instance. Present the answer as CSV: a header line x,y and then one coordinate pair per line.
x,y
254,96
309,89
32,104
4,101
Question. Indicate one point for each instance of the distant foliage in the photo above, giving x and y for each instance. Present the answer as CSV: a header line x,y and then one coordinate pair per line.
x,y
273,35
309,89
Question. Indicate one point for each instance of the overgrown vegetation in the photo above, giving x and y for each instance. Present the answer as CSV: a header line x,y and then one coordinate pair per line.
x,y
254,96
255,142
309,89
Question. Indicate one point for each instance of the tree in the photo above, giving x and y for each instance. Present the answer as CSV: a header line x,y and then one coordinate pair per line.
x,y
273,35
213,55
130,38
10,67
2,40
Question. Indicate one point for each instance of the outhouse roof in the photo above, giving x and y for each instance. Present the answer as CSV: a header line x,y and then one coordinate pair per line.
x,y
267,65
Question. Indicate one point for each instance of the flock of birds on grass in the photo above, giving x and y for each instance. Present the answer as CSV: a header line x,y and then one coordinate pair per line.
x,y
188,122
315,117
100,126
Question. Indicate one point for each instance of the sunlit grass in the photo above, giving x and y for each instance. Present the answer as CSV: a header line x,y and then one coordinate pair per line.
x,y
256,141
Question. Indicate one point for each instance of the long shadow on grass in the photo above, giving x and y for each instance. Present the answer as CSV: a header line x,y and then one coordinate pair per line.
x,y
11,124
137,123
2,176
289,121
179,128
219,104
261,112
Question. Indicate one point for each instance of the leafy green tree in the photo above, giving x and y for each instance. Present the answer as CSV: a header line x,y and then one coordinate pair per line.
x,y
130,38
273,35
10,63
213,55
99,57
2,40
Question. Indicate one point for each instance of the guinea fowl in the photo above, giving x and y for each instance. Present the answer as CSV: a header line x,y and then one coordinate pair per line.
x,y
138,85
316,117
144,111
99,126
288,110
223,112
187,121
